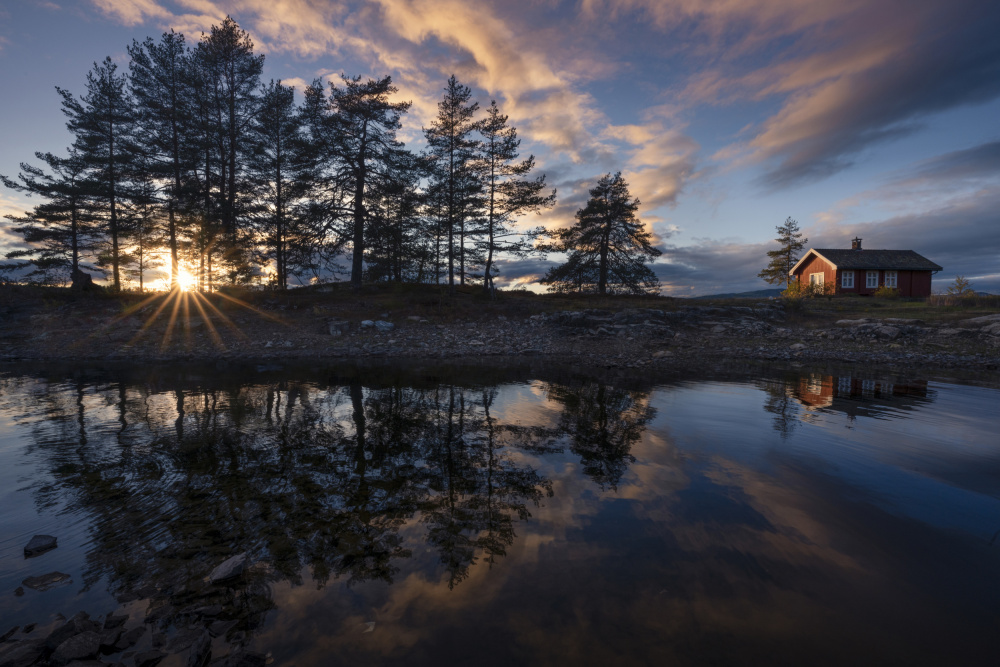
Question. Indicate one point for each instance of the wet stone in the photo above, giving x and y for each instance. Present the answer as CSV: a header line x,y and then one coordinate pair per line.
x,y
45,581
130,638
79,647
10,633
229,569
219,628
110,637
115,621
22,653
201,651
18,592
38,545
79,624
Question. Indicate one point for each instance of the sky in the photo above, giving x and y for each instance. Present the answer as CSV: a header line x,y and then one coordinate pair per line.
x,y
870,118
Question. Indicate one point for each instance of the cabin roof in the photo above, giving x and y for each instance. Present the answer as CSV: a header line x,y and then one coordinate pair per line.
x,y
892,260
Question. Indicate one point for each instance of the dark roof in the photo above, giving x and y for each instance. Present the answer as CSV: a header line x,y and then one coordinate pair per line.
x,y
894,260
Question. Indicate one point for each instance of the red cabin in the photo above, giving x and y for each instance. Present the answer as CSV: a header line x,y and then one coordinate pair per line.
x,y
858,271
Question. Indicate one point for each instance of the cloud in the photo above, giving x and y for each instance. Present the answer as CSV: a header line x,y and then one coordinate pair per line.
x,y
132,12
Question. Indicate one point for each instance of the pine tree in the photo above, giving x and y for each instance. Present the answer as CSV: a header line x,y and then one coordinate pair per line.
x,y
60,231
161,88
785,257
143,219
276,172
507,193
230,76
102,122
451,150
607,247
356,129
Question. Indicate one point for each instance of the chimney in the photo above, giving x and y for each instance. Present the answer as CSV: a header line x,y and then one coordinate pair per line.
x,y
856,244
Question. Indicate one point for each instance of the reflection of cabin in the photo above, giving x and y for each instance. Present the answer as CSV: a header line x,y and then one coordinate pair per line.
x,y
858,271
828,391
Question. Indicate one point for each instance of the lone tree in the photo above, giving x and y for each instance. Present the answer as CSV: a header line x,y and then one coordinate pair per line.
x,y
607,247
785,257
961,287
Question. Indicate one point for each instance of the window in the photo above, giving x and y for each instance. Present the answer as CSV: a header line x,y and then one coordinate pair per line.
x,y
816,279
890,278
847,279
871,279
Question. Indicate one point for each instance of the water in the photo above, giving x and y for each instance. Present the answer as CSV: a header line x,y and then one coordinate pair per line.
x,y
497,517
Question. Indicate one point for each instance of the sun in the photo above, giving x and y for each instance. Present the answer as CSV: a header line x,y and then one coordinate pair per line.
x,y
185,281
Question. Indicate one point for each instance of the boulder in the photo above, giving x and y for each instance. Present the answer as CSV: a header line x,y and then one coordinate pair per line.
x,y
719,328
22,653
887,332
149,658
78,647
229,569
83,281
980,321
853,323
115,621
130,638
384,326
38,545
797,346
338,327
367,324
993,329
45,581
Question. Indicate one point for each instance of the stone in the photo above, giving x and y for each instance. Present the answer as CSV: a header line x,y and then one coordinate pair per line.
x,y
109,638
80,623
38,545
888,333
719,328
18,592
659,354
852,323
83,282
797,346
78,647
981,321
993,329
115,621
45,581
22,653
10,633
130,638
201,651
338,327
414,318
246,659
149,658
229,569
218,628
367,324
384,326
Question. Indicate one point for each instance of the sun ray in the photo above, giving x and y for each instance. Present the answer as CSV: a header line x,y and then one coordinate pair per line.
x,y
249,307
168,332
216,338
222,316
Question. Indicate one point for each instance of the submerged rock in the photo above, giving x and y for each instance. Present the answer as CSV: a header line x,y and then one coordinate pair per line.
x,y
45,581
22,653
229,569
38,545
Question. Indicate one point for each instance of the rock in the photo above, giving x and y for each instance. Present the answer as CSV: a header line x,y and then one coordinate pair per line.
x,y
18,592
109,638
83,282
797,346
115,621
384,326
46,581
22,653
79,624
980,321
218,628
993,329
367,324
149,658
719,328
853,323
229,569
78,647
530,350
662,353
888,333
38,545
414,318
130,638
10,633
201,651
338,327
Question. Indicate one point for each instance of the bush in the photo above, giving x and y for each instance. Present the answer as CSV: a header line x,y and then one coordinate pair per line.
x,y
884,292
961,287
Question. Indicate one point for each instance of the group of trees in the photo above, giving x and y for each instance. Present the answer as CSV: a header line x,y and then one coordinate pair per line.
x,y
191,159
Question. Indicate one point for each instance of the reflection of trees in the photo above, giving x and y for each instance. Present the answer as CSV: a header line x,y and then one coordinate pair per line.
x,y
603,422
782,405
177,476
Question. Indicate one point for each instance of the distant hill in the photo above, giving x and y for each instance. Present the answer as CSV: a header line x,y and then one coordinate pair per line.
x,y
756,294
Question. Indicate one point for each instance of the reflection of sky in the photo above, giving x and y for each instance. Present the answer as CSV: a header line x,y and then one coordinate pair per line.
x,y
723,539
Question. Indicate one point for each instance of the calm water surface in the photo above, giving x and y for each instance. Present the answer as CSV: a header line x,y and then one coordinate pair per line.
x,y
468,516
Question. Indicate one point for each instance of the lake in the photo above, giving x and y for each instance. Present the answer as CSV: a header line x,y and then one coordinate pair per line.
x,y
497,516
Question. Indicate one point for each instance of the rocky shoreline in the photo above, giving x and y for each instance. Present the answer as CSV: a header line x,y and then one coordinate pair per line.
x,y
625,338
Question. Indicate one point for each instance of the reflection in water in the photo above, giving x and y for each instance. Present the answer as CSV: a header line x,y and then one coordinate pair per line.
x,y
370,487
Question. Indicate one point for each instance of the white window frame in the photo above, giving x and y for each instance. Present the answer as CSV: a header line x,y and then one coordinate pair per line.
x,y
892,278
847,279
871,279
816,279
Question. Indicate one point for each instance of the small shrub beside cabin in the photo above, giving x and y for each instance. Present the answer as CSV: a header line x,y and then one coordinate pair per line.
x,y
857,271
